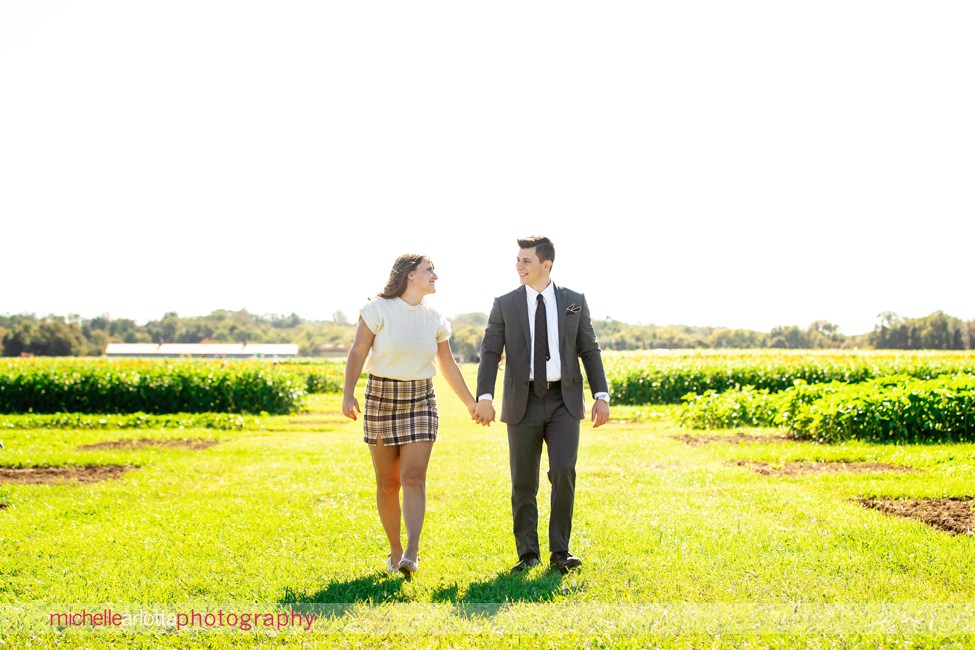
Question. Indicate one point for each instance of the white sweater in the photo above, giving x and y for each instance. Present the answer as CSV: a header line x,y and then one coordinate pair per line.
x,y
406,338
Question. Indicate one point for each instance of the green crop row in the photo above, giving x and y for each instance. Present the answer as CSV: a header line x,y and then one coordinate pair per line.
x,y
895,408
648,378
56,386
319,376
75,421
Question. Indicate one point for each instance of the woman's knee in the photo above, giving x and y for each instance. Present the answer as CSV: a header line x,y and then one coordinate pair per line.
x,y
414,477
388,485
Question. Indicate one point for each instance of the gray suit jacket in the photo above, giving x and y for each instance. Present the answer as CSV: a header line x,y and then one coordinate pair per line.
x,y
508,331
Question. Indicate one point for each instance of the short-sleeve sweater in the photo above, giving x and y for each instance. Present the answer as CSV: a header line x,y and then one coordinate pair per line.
x,y
406,338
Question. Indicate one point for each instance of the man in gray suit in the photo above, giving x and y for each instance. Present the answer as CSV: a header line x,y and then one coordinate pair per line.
x,y
544,331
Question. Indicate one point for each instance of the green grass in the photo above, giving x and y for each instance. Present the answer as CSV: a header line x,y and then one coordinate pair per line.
x,y
681,548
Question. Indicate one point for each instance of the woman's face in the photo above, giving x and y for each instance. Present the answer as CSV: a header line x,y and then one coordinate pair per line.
x,y
424,278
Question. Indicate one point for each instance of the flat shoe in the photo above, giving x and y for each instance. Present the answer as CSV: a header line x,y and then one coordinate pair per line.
x,y
408,567
389,565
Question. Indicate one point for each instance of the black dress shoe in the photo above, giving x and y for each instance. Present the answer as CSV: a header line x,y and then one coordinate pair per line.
x,y
564,560
526,563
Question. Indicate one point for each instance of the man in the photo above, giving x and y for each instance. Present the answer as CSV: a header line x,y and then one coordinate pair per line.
x,y
544,331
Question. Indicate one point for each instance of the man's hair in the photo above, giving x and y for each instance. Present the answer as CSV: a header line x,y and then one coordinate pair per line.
x,y
543,246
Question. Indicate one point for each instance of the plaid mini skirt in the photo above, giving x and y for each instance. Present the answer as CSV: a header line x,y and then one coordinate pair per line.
x,y
400,412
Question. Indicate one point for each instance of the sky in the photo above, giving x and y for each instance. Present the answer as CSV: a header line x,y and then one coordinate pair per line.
x,y
737,164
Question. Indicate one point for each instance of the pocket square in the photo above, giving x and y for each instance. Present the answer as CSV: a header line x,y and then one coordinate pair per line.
x,y
573,309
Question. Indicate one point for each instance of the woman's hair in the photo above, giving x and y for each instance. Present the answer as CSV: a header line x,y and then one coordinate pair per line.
x,y
399,277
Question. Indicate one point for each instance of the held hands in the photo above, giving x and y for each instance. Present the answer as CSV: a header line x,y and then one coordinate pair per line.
x,y
600,413
483,412
350,406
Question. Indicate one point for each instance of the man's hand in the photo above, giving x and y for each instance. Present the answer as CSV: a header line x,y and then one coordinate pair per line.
x,y
484,412
600,413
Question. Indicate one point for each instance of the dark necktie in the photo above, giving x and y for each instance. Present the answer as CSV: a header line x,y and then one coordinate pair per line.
x,y
541,346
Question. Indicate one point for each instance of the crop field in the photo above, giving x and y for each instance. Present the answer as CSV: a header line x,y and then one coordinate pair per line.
x,y
161,386
256,529
666,376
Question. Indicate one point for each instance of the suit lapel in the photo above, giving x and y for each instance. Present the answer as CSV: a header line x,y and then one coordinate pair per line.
x,y
560,304
521,308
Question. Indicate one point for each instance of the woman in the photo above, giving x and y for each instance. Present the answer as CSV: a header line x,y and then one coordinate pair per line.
x,y
400,422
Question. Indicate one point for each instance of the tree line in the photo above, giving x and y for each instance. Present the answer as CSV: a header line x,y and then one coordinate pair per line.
x,y
30,335
27,334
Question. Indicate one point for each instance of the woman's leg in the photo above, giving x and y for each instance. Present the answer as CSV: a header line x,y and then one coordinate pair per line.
x,y
386,461
413,461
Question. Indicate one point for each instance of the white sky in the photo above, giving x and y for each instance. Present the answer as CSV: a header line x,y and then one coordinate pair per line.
x,y
745,164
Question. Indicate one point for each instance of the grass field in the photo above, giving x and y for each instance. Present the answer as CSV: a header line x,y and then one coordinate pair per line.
x,y
685,545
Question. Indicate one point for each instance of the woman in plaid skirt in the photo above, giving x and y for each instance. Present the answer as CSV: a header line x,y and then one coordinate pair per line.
x,y
398,338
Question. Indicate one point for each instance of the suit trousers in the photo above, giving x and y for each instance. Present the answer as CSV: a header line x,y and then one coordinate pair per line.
x,y
546,420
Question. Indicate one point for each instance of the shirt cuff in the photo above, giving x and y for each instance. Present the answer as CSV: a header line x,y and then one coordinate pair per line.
x,y
602,396
488,396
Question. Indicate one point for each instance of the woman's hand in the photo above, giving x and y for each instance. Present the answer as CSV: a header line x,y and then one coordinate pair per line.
x,y
471,405
484,412
350,405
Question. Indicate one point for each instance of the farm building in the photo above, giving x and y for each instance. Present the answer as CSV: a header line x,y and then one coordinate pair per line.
x,y
335,350
203,350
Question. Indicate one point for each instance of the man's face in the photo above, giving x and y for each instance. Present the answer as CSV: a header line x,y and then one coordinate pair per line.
x,y
530,270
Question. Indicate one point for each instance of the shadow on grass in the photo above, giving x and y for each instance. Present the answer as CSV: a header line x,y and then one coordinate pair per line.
x,y
536,586
340,596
